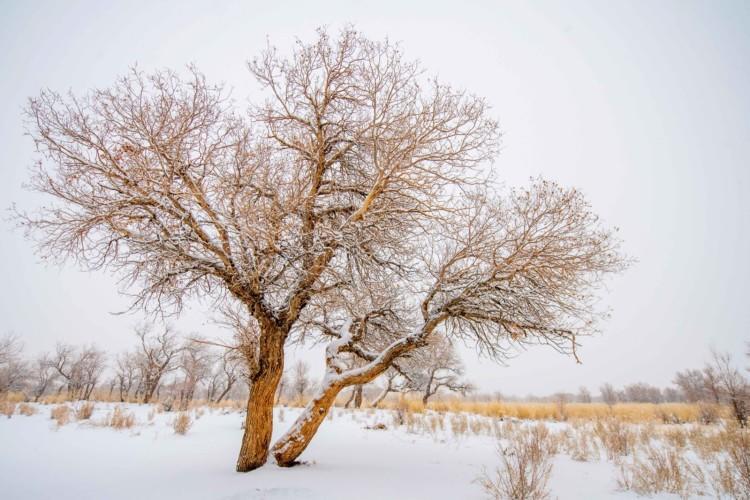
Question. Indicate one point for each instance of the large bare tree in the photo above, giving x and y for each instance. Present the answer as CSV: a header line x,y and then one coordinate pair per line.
x,y
331,181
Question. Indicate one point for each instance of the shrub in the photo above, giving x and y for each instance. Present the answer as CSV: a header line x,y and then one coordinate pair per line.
x,y
182,424
120,419
732,474
525,467
7,408
615,436
84,411
26,409
662,469
60,414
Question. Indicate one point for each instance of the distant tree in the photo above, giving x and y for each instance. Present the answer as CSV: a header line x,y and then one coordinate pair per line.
x,y
608,394
584,395
126,373
157,356
440,368
14,371
194,365
692,385
300,381
43,375
642,393
733,387
230,367
80,368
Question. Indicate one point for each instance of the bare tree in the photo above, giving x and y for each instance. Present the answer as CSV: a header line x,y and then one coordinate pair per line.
x,y
522,270
440,369
608,394
584,395
43,374
126,373
300,380
80,368
712,384
642,393
733,386
157,355
231,369
692,385
391,376
194,364
331,180
13,370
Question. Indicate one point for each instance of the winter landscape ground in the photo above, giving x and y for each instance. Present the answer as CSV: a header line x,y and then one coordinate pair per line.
x,y
364,454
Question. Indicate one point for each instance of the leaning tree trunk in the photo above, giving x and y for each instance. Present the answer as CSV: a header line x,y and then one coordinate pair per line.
x,y
264,379
293,443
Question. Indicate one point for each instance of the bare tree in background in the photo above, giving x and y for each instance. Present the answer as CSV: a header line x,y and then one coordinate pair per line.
x,y
733,386
329,182
608,394
300,381
194,364
440,369
692,385
157,355
230,366
43,374
584,395
499,273
126,373
14,371
80,368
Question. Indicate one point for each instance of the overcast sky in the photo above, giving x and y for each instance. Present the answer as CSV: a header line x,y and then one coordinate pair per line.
x,y
642,105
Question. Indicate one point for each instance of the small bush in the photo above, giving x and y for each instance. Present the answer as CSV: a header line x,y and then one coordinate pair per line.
x,y
7,408
732,474
60,414
120,419
662,469
182,424
526,465
84,411
26,409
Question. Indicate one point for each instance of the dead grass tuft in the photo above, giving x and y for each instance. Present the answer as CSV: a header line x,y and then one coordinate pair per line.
x,y
84,411
120,419
182,423
525,468
26,409
60,414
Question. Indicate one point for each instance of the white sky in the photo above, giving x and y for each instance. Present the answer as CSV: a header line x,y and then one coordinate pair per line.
x,y
643,105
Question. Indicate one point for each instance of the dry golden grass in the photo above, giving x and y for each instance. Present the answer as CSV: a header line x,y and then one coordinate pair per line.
x,y
60,414
84,410
7,408
120,419
26,409
627,412
658,469
732,474
525,466
182,423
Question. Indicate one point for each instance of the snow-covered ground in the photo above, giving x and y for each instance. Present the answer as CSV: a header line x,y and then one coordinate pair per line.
x,y
346,460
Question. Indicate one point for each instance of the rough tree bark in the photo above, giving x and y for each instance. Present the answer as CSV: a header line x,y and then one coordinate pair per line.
x,y
263,380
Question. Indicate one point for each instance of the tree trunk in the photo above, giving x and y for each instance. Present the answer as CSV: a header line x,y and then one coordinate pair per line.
x,y
293,443
259,419
358,397
225,392
382,395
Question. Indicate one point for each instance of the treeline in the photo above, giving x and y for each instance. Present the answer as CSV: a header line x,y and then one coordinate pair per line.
x,y
159,367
